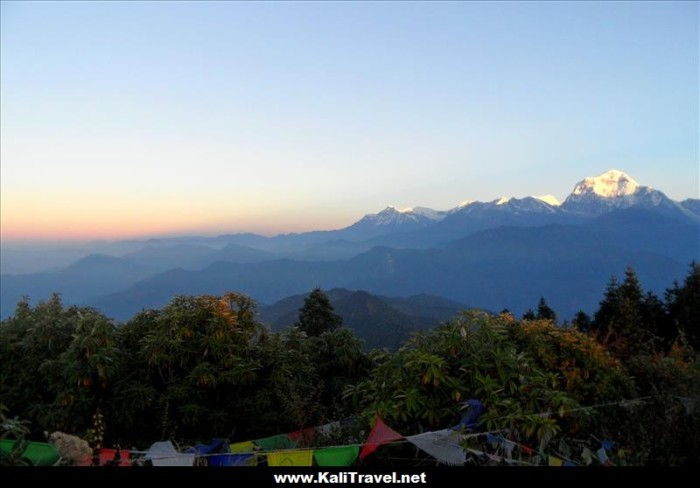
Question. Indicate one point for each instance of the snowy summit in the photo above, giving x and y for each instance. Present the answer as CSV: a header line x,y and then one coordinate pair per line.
x,y
611,184
549,199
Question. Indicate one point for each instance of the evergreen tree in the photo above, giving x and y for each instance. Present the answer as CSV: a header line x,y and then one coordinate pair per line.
x,y
683,305
656,322
317,315
529,315
582,321
619,322
544,312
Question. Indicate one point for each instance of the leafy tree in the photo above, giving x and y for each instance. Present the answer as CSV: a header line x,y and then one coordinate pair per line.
x,y
517,369
317,315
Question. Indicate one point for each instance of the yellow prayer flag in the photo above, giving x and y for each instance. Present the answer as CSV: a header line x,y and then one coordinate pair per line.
x,y
554,461
291,458
245,446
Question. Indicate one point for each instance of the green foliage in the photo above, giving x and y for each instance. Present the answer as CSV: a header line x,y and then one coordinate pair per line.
x,y
203,367
517,369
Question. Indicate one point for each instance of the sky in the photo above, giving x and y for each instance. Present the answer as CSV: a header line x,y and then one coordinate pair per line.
x,y
131,119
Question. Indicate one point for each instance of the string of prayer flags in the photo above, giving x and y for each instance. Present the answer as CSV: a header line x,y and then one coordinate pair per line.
x,y
164,454
380,434
443,445
290,458
275,442
336,456
555,461
245,446
230,460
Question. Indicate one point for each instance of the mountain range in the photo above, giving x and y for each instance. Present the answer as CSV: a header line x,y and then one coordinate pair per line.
x,y
504,253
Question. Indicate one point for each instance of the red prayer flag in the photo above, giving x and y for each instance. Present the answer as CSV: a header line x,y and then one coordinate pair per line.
x,y
526,450
303,437
380,434
107,455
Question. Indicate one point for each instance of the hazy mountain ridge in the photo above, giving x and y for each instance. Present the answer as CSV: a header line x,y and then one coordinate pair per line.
x,y
380,321
495,268
515,247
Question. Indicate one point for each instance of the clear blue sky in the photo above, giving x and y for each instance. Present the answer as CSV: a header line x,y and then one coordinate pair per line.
x,y
147,118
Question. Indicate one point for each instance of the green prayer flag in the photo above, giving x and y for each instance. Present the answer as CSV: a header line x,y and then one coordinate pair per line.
x,y
336,456
275,442
38,453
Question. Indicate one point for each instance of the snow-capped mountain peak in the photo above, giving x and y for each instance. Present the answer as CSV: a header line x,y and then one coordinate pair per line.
x,y
616,190
502,200
611,184
548,199
427,212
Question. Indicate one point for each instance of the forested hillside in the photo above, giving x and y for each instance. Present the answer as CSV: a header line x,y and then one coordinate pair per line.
x,y
202,367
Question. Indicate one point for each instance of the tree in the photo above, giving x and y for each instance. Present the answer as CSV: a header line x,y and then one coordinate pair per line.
x,y
582,321
683,303
620,322
317,315
544,312
529,315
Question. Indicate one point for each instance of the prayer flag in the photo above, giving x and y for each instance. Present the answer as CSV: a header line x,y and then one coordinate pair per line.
x,y
245,446
336,456
380,434
275,442
555,461
39,453
303,437
290,458
230,459
164,454
109,455
476,409
443,445
607,444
